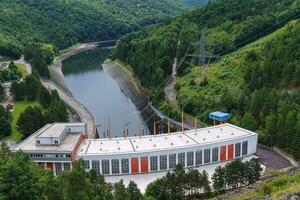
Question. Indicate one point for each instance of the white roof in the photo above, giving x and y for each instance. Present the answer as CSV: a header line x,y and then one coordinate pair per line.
x,y
204,136
67,145
55,130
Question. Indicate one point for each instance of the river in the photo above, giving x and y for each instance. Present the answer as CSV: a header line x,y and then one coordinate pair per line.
x,y
100,94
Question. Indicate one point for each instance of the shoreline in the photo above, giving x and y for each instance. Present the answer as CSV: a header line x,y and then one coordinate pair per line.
x,y
127,82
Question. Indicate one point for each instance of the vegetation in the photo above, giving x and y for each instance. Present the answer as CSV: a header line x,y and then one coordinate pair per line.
x,y
236,174
257,84
11,73
79,184
19,108
64,23
227,23
277,188
198,3
28,119
5,118
40,56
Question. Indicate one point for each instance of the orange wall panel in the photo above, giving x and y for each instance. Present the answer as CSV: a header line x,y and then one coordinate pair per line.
x,y
49,165
230,152
134,165
223,153
144,164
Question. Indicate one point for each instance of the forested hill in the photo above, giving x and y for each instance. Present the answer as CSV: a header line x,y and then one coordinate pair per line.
x,y
198,3
227,23
258,83
65,22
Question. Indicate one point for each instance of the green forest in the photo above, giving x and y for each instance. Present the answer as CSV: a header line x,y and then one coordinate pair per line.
x,y
63,23
258,84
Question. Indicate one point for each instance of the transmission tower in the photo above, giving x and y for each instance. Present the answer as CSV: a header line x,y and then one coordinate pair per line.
x,y
202,54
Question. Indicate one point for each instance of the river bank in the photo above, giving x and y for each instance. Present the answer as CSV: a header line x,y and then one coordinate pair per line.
x,y
56,69
127,81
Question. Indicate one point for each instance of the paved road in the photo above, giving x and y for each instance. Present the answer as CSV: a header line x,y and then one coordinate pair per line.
x,y
271,159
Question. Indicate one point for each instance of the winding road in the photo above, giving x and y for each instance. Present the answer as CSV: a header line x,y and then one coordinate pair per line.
x,y
61,87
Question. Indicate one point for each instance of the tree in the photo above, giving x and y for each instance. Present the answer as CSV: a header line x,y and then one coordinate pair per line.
x,y
19,178
253,170
248,121
234,174
205,182
18,89
158,190
133,193
76,184
44,97
5,128
30,121
32,87
1,92
120,191
218,179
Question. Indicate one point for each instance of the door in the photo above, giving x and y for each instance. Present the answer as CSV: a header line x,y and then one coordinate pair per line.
x,y
230,152
144,164
134,165
223,153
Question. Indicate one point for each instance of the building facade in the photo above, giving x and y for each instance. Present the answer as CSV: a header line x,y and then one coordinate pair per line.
x,y
150,154
54,146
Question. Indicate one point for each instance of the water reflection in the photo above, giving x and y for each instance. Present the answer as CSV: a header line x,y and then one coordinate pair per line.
x,y
100,94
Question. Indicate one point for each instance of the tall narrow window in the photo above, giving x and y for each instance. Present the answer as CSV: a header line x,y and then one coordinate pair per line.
x,y
105,167
125,165
67,166
206,156
153,163
199,157
172,161
87,164
96,165
215,154
163,162
115,166
237,150
190,158
58,168
245,148
181,159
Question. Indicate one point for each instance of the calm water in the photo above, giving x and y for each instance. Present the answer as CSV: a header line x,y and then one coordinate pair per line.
x,y
100,94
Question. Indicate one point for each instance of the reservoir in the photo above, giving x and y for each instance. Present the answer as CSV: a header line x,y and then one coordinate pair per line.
x,y
101,95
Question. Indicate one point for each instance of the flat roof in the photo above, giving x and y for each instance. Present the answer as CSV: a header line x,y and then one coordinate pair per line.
x,y
203,136
55,130
67,145
220,116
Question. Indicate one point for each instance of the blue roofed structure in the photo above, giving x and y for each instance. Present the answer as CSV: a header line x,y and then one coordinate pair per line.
x,y
219,116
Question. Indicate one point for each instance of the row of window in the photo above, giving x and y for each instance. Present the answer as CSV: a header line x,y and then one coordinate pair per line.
x,y
188,159
36,155
105,166
59,169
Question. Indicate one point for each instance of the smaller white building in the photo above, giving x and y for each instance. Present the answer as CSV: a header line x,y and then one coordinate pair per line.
x,y
54,146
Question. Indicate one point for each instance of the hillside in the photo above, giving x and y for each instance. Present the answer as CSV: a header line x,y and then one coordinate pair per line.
x,y
198,3
65,22
227,23
258,84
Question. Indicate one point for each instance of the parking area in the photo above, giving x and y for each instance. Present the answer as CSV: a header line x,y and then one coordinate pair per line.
x,y
271,159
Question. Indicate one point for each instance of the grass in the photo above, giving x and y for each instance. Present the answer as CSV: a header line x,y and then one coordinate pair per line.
x,y
20,106
278,188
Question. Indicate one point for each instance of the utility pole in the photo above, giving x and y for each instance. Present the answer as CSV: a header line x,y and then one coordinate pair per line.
x,y
202,54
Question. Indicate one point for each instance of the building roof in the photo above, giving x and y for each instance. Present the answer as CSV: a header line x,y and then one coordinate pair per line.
x,y
204,136
67,145
219,116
